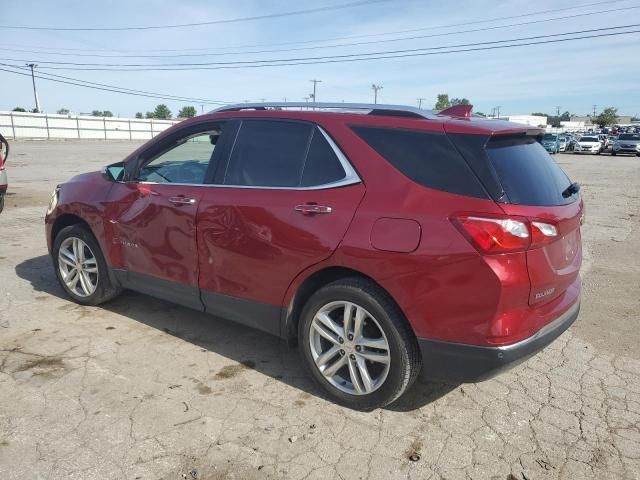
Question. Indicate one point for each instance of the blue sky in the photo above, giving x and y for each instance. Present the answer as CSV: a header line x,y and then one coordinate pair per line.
x,y
573,75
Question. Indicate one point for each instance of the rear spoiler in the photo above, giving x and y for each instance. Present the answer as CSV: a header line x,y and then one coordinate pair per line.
x,y
457,111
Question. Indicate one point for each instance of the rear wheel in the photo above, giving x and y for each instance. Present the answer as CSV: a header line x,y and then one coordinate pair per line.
x,y
613,154
357,344
81,268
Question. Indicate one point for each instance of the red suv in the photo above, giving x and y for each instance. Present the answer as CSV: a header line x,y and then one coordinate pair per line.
x,y
384,239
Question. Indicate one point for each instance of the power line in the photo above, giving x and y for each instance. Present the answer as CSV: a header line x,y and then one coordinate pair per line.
x,y
422,29
113,90
165,96
341,45
198,24
341,58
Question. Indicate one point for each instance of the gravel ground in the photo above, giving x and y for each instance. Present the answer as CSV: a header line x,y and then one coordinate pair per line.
x,y
141,389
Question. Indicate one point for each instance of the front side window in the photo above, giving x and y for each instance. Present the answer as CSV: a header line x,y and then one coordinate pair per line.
x,y
185,162
270,153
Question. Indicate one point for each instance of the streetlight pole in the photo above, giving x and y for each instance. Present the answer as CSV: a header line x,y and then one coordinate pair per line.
x,y
375,89
420,102
33,79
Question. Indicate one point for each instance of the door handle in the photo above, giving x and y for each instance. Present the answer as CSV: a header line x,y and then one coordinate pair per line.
x,y
312,209
181,200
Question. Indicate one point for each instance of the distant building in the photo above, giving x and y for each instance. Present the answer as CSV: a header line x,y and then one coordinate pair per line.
x,y
622,120
532,120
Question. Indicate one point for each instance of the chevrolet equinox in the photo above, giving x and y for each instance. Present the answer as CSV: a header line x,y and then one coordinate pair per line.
x,y
384,240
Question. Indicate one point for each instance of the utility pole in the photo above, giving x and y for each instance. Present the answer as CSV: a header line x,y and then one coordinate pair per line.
x,y
315,82
375,89
558,110
594,110
497,110
420,102
201,108
33,79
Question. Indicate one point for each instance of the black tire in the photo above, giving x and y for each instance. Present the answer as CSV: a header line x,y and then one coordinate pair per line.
x,y
1,202
405,358
613,154
105,290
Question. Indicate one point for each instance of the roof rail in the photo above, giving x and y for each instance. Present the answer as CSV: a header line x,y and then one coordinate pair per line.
x,y
369,108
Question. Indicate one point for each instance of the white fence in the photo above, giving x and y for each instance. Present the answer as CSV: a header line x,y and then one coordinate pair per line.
x,y
45,126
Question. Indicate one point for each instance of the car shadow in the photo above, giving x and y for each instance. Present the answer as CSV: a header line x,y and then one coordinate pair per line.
x,y
253,349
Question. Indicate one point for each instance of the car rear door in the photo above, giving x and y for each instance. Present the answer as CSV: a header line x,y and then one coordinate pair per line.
x,y
282,203
154,223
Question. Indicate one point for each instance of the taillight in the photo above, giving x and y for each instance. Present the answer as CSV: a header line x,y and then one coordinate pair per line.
x,y
542,233
504,234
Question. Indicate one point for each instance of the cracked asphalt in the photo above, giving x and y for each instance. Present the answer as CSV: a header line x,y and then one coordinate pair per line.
x,y
141,389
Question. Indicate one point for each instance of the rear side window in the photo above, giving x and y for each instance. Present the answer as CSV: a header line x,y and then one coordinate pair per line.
x,y
528,174
322,165
282,154
268,154
427,158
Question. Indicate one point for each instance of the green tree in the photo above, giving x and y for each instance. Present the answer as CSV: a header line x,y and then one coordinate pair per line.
x,y
480,114
459,101
538,114
443,101
162,111
63,111
97,113
19,109
609,116
149,115
187,112
138,114
107,113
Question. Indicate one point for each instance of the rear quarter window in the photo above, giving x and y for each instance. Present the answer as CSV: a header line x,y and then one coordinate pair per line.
x,y
527,173
427,158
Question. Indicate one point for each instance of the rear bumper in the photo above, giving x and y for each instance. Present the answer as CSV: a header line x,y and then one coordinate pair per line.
x,y
463,363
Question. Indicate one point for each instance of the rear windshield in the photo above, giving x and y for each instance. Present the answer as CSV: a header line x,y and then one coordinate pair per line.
x,y
629,136
528,174
549,136
589,139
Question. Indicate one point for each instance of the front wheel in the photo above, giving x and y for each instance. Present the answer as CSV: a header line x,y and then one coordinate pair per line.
x,y
613,154
81,268
358,345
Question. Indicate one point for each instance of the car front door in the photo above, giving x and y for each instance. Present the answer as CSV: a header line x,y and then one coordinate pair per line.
x,y
155,224
282,203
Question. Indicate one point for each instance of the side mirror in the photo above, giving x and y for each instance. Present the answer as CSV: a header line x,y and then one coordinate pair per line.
x,y
4,150
115,172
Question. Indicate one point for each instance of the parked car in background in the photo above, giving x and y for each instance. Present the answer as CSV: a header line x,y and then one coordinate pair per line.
x,y
4,182
611,139
386,242
564,143
627,143
588,144
551,142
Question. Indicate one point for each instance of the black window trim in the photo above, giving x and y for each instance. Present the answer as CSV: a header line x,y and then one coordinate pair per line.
x,y
351,176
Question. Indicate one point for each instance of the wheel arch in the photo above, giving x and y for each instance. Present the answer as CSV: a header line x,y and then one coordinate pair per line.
x,y
312,283
67,220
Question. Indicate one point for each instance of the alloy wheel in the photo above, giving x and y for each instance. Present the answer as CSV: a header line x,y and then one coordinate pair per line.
x,y
78,266
349,348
